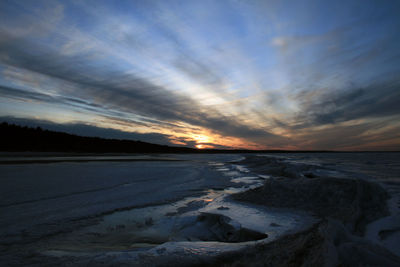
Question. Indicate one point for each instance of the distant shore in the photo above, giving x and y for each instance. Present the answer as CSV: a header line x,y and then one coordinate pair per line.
x,y
37,157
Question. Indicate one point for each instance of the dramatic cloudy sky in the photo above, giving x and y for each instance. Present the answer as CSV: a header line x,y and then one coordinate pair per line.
x,y
242,74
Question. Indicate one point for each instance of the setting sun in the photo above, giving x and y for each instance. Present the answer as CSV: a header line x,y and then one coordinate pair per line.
x,y
202,138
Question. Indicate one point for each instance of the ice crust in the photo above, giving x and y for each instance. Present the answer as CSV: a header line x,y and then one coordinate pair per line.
x,y
163,212
204,220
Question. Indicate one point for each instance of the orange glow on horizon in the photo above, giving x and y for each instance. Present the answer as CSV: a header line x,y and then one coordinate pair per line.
x,y
201,138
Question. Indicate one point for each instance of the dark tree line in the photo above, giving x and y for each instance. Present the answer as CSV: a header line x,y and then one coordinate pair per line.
x,y
18,138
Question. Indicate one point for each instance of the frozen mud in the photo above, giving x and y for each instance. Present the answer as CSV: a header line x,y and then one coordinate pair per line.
x,y
360,223
187,210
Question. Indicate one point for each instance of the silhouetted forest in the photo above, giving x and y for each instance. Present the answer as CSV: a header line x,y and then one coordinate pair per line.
x,y
18,138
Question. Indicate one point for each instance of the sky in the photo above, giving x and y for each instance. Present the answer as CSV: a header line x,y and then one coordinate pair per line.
x,y
309,75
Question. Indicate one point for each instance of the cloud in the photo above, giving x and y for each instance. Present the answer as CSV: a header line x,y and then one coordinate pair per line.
x,y
188,67
42,19
350,119
366,135
198,70
374,101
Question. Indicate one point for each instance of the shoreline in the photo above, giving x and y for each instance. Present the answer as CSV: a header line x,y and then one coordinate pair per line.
x,y
48,161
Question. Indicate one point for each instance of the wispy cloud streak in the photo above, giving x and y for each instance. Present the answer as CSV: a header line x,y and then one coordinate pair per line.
x,y
269,74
